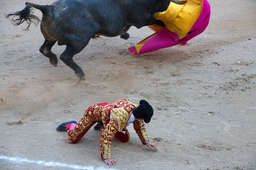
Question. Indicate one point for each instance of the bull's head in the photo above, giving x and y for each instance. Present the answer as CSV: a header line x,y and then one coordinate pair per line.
x,y
179,1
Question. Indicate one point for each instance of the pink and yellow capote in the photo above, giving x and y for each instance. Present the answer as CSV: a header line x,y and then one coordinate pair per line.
x,y
182,23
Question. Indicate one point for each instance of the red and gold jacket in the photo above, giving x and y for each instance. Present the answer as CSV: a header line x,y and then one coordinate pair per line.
x,y
120,112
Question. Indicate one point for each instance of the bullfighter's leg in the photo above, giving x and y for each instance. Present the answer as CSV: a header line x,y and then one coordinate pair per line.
x,y
90,117
45,49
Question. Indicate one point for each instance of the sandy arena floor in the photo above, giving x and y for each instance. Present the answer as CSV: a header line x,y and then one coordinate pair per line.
x,y
203,94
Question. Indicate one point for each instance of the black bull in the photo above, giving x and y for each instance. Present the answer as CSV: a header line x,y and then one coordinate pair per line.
x,y
74,22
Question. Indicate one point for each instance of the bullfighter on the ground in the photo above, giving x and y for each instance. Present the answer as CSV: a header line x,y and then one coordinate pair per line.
x,y
115,118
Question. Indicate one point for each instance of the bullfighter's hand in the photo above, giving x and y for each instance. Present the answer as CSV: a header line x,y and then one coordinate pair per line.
x,y
110,162
150,146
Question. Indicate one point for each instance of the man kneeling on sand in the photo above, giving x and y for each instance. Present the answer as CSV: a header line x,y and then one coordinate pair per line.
x,y
115,118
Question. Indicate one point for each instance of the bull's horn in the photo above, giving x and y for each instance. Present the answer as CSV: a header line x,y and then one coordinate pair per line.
x,y
179,1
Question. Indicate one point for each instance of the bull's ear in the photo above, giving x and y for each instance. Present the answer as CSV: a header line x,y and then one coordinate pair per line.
x,y
180,2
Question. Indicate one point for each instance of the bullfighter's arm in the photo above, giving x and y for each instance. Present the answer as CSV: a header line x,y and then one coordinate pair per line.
x,y
106,139
139,127
141,131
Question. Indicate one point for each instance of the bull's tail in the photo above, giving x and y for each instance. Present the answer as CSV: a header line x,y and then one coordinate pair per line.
x,y
25,14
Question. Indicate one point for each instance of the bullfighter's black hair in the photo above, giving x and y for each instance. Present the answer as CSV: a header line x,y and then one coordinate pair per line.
x,y
144,111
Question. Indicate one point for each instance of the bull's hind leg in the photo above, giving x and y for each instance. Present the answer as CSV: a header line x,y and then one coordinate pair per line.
x,y
125,35
78,37
67,58
45,49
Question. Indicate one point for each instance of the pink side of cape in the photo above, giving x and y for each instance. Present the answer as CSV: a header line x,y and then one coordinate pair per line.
x,y
201,23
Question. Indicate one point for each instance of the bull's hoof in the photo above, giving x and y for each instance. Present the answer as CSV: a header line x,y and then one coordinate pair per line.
x,y
54,61
80,76
125,36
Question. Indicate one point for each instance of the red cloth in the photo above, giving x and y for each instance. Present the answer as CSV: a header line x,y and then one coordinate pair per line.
x,y
123,137
102,104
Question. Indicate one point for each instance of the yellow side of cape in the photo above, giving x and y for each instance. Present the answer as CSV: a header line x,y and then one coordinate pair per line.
x,y
181,18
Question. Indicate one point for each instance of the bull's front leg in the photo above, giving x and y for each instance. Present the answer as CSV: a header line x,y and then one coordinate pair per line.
x,y
124,35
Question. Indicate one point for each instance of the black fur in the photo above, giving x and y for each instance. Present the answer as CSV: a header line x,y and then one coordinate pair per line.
x,y
74,22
